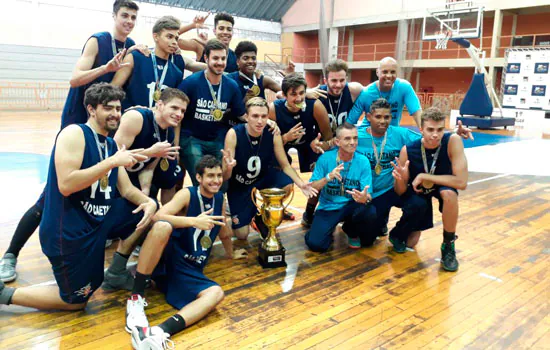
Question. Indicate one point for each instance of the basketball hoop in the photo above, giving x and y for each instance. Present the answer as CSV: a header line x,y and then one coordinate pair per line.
x,y
442,39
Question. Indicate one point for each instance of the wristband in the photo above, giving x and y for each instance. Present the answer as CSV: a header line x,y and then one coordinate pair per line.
x,y
328,177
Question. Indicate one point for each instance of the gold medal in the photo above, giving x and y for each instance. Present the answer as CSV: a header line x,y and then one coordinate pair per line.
x,y
104,182
156,95
217,114
427,184
378,169
255,90
164,165
206,242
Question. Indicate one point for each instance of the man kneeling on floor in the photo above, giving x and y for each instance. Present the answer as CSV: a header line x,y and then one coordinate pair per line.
x,y
175,253
343,177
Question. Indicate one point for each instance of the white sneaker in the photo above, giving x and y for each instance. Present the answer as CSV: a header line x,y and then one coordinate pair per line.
x,y
135,313
154,338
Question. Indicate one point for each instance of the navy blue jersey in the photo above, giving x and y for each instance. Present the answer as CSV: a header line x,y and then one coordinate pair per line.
x,y
187,241
178,61
74,110
253,155
146,138
142,84
286,120
245,85
199,120
231,61
68,221
341,105
416,165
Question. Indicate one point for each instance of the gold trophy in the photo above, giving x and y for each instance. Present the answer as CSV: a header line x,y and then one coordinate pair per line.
x,y
271,252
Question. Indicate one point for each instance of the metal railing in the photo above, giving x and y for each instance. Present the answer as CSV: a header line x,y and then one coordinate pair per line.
x,y
375,52
445,102
29,96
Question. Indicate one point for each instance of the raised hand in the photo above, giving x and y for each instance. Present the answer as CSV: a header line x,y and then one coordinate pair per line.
x,y
128,158
164,149
206,222
228,159
290,68
360,196
316,92
240,254
295,133
273,127
335,173
400,172
316,145
116,62
199,20
464,132
149,208
308,190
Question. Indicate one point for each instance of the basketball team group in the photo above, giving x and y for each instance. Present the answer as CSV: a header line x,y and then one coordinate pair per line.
x,y
133,126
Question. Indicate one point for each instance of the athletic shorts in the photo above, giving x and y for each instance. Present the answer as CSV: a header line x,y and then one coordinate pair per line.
x,y
169,178
240,203
180,282
427,221
79,274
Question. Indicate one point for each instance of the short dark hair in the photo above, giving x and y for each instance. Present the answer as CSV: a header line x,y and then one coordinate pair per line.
x,y
207,161
257,102
344,126
102,93
432,113
380,103
118,4
223,16
166,23
293,81
213,44
169,94
336,66
245,46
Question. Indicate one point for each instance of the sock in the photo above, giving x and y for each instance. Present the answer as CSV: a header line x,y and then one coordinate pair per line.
x,y
140,281
173,325
5,295
118,265
448,237
26,227
310,209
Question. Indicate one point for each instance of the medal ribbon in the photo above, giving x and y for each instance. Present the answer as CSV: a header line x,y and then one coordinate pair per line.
x,y
215,95
158,83
201,203
334,116
157,132
376,156
425,161
255,81
113,45
98,144
343,185
250,141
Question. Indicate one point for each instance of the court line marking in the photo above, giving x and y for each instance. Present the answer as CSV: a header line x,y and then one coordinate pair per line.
x,y
493,278
252,233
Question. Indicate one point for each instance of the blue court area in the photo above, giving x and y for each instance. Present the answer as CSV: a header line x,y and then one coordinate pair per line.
x,y
23,176
481,138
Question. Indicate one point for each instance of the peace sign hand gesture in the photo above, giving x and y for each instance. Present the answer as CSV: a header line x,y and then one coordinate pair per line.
x,y
360,196
228,159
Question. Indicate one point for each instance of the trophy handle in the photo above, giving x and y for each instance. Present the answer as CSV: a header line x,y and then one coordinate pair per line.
x,y
255,198
291,198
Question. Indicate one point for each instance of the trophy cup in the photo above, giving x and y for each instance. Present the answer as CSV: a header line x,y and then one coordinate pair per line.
x,y
271,252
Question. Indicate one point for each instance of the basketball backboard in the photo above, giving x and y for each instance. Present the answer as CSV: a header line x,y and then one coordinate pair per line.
x,y
462,18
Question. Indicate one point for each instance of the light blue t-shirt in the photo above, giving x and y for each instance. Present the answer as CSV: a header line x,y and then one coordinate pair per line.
x,y
397,137
401,94
357,174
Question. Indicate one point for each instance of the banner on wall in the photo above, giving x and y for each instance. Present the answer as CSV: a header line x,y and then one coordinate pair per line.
x,y
527,79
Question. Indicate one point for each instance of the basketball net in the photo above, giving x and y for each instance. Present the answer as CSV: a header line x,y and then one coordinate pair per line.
x,y
442,40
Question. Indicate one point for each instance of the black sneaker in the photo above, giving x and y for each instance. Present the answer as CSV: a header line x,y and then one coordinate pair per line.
x,y
307,220
398,245
448,257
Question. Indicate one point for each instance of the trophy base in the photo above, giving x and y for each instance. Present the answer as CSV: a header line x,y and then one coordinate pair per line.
x,y
271,259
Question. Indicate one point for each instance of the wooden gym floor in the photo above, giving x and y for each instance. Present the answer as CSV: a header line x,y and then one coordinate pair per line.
x,y
370,298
